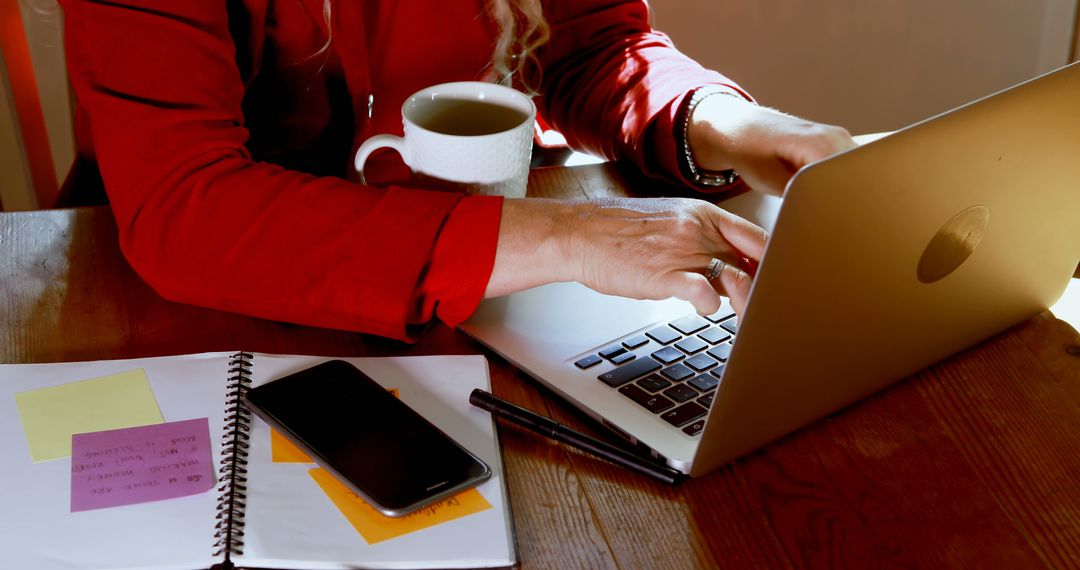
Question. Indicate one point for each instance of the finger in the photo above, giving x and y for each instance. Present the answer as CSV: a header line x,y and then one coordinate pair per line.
x,y
696,289
745,236
750,267
736,285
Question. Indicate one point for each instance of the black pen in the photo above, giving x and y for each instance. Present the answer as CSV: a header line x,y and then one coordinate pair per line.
x,y
554,430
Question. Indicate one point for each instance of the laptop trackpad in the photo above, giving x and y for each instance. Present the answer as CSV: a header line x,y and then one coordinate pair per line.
x,y
564,319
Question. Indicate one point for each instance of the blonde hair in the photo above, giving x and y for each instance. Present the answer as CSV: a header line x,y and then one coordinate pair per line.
x,y
522,30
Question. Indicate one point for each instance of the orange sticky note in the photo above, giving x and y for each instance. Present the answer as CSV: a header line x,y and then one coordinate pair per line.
x,y
377,527
284,451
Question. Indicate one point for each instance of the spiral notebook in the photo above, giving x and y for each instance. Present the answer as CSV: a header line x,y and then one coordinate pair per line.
x,y
259,511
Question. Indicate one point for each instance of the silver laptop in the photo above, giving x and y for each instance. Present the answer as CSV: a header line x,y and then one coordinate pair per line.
x,y
881,261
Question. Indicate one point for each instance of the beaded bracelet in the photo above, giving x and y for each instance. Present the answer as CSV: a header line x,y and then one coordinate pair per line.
x,y
696,174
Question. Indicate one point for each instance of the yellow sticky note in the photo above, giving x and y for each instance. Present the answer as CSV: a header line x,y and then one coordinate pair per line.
x,y
51,415
376,527
284,451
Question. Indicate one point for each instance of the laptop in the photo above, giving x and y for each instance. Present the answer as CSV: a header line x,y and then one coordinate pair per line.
x,y
881,261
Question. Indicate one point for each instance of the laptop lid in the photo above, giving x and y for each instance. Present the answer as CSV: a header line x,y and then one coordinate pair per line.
x,y
892,256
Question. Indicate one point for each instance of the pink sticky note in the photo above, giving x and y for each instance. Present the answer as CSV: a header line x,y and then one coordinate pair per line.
x,y
140,464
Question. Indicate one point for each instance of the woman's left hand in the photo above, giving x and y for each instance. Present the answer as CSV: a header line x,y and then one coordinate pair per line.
x,y
766,147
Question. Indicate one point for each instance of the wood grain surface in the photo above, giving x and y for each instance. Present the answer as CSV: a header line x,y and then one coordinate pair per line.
x,y
972,463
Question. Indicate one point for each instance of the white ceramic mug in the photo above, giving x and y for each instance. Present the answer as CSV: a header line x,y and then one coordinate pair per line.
x,y
475,135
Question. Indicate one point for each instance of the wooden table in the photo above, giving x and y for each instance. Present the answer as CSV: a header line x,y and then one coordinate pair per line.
x,y
973,463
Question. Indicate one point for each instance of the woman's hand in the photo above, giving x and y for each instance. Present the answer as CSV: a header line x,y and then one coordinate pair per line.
x,y
651,248
766,147
657,248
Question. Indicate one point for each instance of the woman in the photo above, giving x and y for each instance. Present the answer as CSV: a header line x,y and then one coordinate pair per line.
x,y
224,130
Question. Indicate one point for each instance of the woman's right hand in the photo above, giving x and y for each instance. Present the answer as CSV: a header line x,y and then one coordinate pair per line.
x,y
644,248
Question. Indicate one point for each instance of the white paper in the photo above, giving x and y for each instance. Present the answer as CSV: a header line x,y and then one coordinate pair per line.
x,y
290,523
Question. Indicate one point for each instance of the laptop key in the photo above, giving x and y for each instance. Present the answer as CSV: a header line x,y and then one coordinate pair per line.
x,y
714,335
636,341
654,403
724,312
677,372
720,352
623,358
681,393
612,351
689,324
664,335
718,371
706,400
653,383
704,382
694,428
684,414
667,355
732,325
700,362
588,361
691,344
628,372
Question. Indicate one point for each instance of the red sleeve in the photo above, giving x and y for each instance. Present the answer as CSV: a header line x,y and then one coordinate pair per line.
x,y
204,224
614,86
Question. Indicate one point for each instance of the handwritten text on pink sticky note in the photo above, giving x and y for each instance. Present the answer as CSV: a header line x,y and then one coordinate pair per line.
x,y
140,464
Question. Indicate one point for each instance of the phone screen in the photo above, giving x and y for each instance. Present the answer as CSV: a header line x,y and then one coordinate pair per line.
x,y
374,443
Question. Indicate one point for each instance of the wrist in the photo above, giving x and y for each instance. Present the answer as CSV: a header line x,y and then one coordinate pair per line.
x,y
710,124
534,245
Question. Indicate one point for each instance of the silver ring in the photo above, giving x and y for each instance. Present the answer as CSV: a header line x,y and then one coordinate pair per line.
x,y
715,268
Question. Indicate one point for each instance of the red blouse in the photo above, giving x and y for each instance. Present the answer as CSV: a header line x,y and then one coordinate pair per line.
x,y
224,134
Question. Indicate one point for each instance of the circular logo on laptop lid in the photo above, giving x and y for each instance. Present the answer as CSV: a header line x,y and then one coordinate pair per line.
x,y
953,243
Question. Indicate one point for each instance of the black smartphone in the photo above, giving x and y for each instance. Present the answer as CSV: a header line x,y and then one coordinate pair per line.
x,y
375,444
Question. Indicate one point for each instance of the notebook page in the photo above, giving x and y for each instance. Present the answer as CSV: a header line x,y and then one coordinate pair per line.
x,y
38,529
291,523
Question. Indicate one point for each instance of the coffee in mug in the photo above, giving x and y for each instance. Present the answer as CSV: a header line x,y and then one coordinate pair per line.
x,y
473,135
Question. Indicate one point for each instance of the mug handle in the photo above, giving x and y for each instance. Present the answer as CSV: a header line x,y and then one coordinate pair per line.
x,y
375,143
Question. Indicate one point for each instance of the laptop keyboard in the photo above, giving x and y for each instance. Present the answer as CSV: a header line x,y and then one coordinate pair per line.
x,y
672,370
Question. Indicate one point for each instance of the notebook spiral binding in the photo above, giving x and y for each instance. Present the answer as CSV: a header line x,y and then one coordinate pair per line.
x,y
232,475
